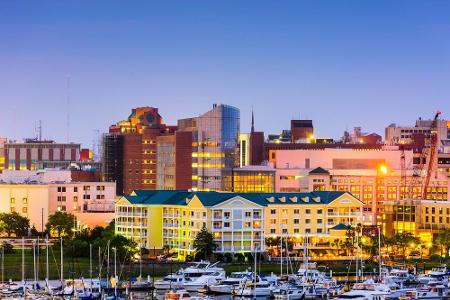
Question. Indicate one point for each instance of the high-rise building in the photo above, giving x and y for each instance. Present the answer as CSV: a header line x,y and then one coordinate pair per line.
x,y
129,150
414,134
214,147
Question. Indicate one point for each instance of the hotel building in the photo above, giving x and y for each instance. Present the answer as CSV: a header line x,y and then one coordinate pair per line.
x,y
240,222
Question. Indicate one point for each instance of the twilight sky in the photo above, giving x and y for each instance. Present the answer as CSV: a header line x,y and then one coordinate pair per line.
x,y
341,63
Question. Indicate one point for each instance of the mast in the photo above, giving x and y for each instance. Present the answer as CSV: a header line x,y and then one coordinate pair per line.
x,y
380,262
281,253
34,262
46,259
90,264
140,248
3,264
107,265
115,271
62,262
23,266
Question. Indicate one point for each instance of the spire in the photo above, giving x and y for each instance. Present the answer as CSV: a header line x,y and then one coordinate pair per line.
x,y
253,122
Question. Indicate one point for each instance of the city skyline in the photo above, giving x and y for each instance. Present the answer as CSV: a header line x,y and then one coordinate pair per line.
x,y
183,58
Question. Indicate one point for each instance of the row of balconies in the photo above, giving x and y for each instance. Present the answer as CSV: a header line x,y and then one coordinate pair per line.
x,y
219,218
130,214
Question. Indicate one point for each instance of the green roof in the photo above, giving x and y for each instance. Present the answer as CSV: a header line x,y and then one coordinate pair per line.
x,y
208,199
340,226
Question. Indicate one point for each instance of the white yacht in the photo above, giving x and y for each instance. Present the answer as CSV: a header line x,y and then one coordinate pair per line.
x,y
209,278
368,290
400,276
226,286
436,275
169,282
437,292
289,292
251,289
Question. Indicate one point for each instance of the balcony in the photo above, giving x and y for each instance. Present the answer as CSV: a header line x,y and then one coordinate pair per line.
x,y
170,225
343,214
166,215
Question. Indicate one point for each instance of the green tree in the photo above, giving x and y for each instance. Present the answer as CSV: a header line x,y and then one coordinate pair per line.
x,y
403,240
204,243
13,223
61,223
443,240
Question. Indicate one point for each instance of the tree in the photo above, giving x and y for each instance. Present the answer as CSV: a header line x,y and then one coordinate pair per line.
x,y
404,239
13,223
204,243
61,223
443,240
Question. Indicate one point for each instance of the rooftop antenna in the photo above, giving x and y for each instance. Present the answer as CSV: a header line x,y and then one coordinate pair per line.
x,y
68,108
39,130
253,122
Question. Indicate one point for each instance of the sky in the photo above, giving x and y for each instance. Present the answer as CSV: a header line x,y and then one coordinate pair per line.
x,y
341,63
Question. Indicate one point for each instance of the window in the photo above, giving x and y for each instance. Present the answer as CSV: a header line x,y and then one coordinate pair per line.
x,y
319,211
100,187
226,224
273,231
227,214
86,196
319,221
75,198
86,188
307,221
100,197
24,210
296,230
296,221
61,189
248,214
273,211
75,189
25,200
63,208
319,230
12,200
13,209
285,231
273,221
307,211
307,230
296,211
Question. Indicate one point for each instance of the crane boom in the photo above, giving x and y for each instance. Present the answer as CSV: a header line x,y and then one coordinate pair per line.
x,y
432,155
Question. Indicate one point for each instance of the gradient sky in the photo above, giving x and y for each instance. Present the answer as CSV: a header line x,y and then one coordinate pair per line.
x,y
341,63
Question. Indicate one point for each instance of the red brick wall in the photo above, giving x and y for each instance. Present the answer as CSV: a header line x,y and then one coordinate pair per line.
x,y
183,160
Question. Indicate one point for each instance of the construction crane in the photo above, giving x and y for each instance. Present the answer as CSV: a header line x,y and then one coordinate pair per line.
x,y
431,159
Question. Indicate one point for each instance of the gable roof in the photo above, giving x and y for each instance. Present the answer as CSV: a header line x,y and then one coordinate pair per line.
x,y
319,170
208,199
340,226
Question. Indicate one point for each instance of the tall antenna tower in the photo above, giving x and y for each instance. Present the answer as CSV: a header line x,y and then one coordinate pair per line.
x,y
68,108
39,129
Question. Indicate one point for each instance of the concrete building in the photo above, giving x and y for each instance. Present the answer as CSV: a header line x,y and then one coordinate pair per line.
x,y
33,154
38,194
302,131
395,134
240,222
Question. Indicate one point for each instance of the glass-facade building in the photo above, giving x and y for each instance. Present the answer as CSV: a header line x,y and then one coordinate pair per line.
x,y
215,148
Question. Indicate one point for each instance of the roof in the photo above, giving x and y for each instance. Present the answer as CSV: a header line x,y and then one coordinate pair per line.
x,y
208,199
319,170
340,226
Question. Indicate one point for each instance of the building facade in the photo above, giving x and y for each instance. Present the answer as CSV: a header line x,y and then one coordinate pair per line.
x,y
129,150
239,222
35,154
254,179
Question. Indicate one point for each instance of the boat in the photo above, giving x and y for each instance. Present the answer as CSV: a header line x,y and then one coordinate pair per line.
x,y
261,288
368,290
436,275
400,276
226,286
176,295
427,292
169,282
289,292
203,281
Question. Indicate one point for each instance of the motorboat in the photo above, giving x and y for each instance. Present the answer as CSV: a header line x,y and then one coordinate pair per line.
x,y
289,292
400,276
176,295
169,282
251,289
432,292
436,275
368,290
226,286
203,281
